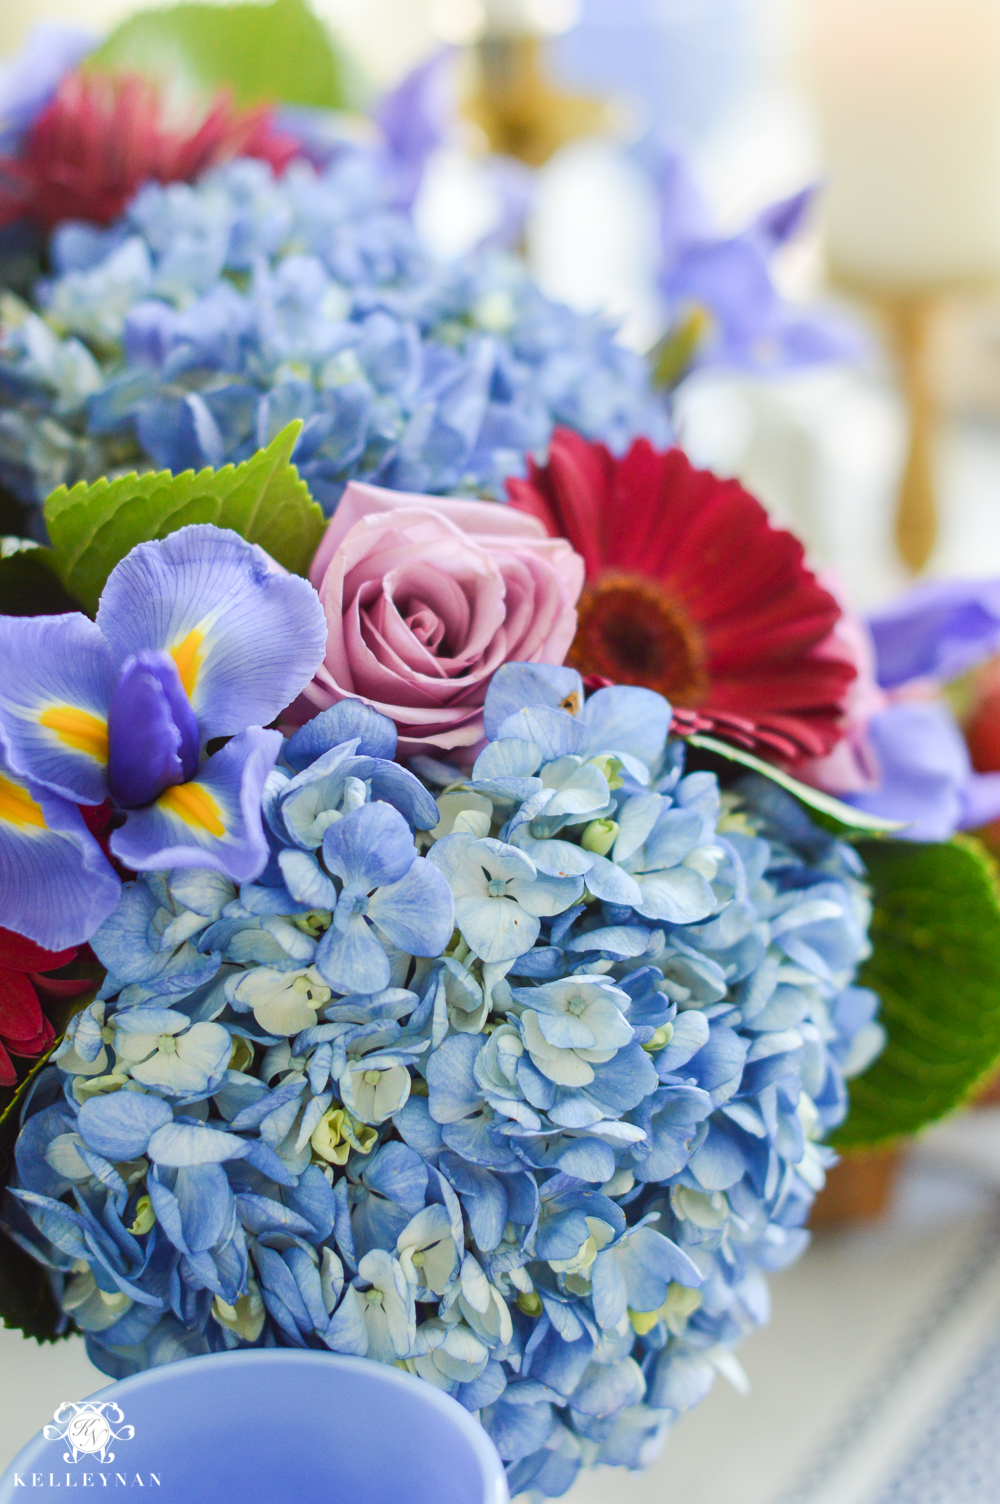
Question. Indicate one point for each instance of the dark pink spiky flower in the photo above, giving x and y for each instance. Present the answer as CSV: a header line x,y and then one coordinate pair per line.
x,y
102,137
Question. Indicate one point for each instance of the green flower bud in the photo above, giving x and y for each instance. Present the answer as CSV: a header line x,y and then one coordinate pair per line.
x,y
600,836
611,767
663,1036
144,1216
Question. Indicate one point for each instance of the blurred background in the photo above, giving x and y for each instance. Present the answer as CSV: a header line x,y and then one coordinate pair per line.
x,y
879,1377
891,108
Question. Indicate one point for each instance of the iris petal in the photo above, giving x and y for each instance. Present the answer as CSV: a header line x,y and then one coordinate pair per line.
x,y
212,821
152,731
245,638
55,885
58,678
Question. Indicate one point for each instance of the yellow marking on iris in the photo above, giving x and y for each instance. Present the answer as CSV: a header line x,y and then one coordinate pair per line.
x,y
78,729
187,655
194,805
17,806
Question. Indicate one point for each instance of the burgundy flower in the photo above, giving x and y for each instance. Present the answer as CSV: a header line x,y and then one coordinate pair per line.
x,y
24,1029
691,592
101,138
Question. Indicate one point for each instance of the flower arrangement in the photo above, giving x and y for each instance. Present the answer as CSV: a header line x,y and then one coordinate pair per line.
x,y
468,956
513,1074
455,1009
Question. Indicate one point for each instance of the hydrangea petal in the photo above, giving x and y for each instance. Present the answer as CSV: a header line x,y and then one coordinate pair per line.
x,y
352,960
372,845
416,913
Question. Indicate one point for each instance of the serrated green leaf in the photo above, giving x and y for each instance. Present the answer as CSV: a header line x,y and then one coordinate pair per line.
x,y
29,583
93,527
279,52
826,811
936,967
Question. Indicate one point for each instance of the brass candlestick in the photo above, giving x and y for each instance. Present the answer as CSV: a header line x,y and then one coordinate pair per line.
x,y
908,315
517,106
911,317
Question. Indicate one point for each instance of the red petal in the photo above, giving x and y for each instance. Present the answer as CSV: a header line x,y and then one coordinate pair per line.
x,y
20,1010
36,1045
21,954
58,987
8,1075
89,150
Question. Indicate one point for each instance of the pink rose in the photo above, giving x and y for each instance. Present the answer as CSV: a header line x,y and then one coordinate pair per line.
x,y
426,597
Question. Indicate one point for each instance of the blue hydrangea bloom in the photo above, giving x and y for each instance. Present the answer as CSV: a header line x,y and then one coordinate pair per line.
x,y
192,330
517,1077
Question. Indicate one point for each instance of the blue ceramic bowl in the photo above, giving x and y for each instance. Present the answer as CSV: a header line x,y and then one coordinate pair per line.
x,y
271,1426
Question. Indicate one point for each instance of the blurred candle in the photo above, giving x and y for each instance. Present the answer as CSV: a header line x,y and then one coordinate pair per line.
x,y
910,104
504,18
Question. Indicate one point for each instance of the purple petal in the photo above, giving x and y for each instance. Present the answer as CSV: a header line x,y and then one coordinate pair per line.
x,y
213,820
55,885
152,732
415,116
980,800
246,638
28,80
781,221
924,766
684,213
936,631
57,682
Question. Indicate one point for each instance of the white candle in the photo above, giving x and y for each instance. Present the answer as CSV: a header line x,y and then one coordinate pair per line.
x,y
910,106
529,17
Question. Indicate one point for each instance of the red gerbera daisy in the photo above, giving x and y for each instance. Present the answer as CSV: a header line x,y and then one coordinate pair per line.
x,y
24,1029
101,138
690,591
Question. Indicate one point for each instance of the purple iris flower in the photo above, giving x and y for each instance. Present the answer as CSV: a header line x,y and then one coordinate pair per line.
x,y
197,639
752,326
924,638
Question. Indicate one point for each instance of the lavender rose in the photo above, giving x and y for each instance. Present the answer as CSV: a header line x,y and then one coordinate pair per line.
x,y
425,598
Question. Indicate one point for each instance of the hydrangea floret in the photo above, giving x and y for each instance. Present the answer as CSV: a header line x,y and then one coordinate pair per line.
x,y
513,1076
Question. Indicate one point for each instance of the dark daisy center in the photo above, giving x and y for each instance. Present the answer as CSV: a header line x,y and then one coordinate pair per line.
x,y
632,632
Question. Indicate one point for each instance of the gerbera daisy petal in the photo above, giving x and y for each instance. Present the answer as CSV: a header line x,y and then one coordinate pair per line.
x,y
101,138
690,591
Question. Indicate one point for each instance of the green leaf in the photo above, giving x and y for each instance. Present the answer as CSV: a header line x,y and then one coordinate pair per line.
x,y
280,52
93,527
826,811
936,966
29,583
